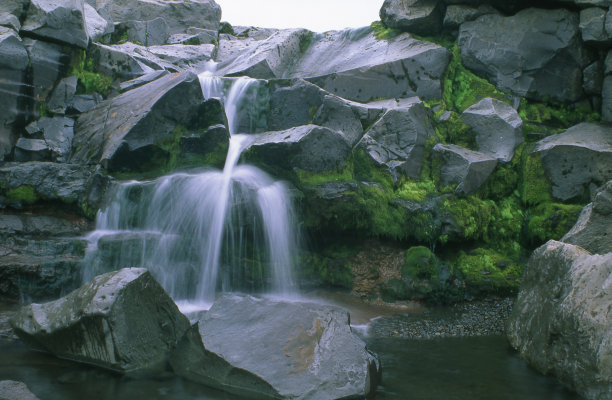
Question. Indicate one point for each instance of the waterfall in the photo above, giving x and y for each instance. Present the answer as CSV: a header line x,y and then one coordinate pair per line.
x,y
205,232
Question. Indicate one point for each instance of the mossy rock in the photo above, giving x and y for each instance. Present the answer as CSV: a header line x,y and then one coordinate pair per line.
x,y
551,221
329,267
421,263
486,272
24,194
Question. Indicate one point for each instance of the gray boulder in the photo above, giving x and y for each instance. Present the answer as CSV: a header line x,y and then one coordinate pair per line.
x,y
14,7
13,390
262,348
33,181
129,132
593,229
423,17
63,95
32,150
57,20
58,133
466,168
10,21
561,323
460,13
592,78
195,36
147,33
179,15
309,147
397,140
606,99
13,63
535,53
294,105
83,102
592,25
142,80
498,127
123,321
400,67
97,26
339,115
123,61
577,158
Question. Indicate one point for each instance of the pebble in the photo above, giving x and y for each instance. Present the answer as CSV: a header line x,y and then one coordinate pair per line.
x,y
480,318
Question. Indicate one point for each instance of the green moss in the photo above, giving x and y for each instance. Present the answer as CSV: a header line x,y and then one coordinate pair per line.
x,y
22,194
330,266
381,32
43,110
471,216
486,271
89,81
305,42
462,88
420,263
535,188
550,119
315,178
455,131
415,190
551,221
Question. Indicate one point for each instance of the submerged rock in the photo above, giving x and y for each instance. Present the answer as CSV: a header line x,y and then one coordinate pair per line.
x,y
593,230
262,348
561,322
576,158
123,321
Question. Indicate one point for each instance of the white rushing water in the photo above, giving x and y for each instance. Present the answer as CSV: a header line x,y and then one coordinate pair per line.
x,y
201,233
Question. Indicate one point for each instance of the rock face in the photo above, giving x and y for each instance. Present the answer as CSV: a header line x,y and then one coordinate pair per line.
x,y
498,127
576,158
13,390
465,168
57,20
593,229
128,131
309,147
423,17
592,25
397,140
263,348
535,53
122,321
561,322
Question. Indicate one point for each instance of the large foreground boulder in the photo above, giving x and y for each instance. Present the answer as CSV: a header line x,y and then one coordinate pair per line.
x,y
123,321
535,53
262,348
593,230
561,322
577,158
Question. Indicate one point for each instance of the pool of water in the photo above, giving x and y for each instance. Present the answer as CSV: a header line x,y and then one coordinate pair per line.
x,y
445,369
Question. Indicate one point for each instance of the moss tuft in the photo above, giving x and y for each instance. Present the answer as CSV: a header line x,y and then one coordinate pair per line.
x,y
551,221
486,271
23,194
381,32
535,188
89,81
420,263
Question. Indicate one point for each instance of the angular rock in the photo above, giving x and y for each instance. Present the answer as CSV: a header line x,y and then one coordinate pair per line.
x,y
309,147
32,150
423,17
97,26
338,115
592,25
195,36
592,78
498,127
42,181
593,229
561,322
58,132
148,33
302,351
13,390
83,102
577,158
397,140
206,143
179,15
48,62
57,20
535,53
128,131
294,105
63,95
10,21
458,14
400,67
608,24
14,7
122,321
466,168
141,80
606,99
13,63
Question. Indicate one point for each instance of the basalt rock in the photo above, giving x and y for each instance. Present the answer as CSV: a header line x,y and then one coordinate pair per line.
x,y
593,229
498,127
577,158
592,25
97,26
466,168
262,348
57,20
13,390
123,321
561,322
535,53
63,95
294,105
458,14
423,17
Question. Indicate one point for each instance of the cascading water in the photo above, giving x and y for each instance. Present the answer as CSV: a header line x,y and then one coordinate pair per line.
x,y
199,233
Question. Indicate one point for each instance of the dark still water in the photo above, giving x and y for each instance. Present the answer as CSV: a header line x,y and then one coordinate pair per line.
x,y
444,369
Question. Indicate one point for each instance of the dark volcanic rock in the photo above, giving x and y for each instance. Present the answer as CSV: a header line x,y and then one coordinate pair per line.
x,y
148,33
13,390
535,53
593,230
302,351
128,131
466,168
498,127
123,321
592,25
63,95
576,158
561,322
397,140
294,105
423,17
97,26
57,20
309,147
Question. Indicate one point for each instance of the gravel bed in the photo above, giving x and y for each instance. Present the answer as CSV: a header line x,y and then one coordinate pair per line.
x,y
481,318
